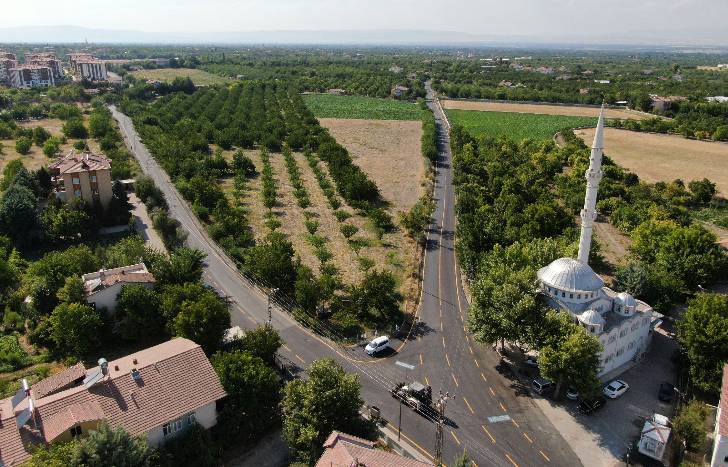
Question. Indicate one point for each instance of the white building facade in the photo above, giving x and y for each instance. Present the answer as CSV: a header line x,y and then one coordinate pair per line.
x,y
719,457
622,323
31,76
92,70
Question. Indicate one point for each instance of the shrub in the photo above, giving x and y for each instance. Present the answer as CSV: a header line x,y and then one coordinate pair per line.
x,y
74,128
689,425
23,144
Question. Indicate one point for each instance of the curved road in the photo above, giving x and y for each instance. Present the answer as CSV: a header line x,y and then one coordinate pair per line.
x,y
488,417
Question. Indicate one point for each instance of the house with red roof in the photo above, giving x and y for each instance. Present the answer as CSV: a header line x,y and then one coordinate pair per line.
x,y
83,175
720,435
343,450
156,393
102,287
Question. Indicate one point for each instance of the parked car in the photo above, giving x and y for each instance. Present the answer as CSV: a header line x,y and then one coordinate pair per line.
x,y
377,345
589,406
615,389
532,361
543,386
667,392
572,394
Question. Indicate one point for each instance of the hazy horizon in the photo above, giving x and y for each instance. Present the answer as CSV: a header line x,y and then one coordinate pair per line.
x,y
654,22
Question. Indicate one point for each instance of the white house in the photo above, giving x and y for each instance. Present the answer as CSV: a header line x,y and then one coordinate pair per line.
x,y
720,435
157,392
621,323
655,436
103,287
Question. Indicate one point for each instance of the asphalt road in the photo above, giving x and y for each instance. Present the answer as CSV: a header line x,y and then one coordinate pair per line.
x,y
488,416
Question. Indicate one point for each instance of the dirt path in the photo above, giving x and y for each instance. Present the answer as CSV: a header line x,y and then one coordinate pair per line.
x,y
522,107
615,244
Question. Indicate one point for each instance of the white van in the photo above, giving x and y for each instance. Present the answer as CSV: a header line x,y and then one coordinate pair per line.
x,y
377,345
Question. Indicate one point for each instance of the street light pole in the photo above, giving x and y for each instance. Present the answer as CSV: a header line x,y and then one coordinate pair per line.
x,y
270,314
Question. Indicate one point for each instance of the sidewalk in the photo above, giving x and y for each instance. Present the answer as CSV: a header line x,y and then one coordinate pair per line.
x,y
143,224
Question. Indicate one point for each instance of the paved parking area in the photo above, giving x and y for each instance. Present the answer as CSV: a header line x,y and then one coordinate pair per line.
x,y
602,439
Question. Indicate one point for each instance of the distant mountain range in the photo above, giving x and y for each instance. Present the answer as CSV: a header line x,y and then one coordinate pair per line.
x,y
76,34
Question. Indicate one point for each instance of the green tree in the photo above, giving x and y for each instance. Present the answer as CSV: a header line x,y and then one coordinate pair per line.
x,y
51,147
23,144
184,265
55,455
10,171
67,223
76,329
703,336
73,291
376,298
308,291
253,390
138,313
689,425
329,400
106,446
203,320
262,342
194,447
40,135
349,230
573,361
416,220
74,128
272,262
18,211
463,460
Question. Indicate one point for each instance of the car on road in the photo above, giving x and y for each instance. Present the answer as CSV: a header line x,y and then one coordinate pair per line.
x,y
589,406
667,392
543,386
572,394
415,394
377,345
615,389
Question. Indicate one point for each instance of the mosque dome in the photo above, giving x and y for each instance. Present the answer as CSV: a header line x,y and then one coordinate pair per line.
x,y
626,299
591,318
570,275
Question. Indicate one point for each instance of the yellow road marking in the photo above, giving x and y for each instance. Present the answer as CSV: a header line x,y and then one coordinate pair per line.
x,y
443,341
456,438
423,450
483,376
421,360
441,326
512,461
469,407
302,360
286,347
476,363
488,433
427,382
455,379
527,437
545,456
448,360
503,406
515,423
492,393
470,348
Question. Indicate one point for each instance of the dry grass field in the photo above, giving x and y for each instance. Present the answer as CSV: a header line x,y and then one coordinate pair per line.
x,y
35,159
573,111
388,151
656,157
199,77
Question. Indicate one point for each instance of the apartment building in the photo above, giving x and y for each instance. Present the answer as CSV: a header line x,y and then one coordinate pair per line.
x,y
31,76
103,287
46,59
88,67
6,64
157,393
83,175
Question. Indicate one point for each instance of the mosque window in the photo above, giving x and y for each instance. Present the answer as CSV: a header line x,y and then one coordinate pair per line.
x,y
571,295
578,296
563,294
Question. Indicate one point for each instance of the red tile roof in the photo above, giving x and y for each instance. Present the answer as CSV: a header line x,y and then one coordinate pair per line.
x,y
723,420
12,449
342,450
58,381
82,162
71,416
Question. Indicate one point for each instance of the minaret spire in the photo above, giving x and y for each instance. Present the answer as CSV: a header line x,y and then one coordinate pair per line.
x,y
593,177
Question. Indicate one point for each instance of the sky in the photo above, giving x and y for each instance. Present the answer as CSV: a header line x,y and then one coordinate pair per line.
x,y
586,19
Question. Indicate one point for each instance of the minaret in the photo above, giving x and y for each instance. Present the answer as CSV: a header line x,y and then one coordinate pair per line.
x,y
593,177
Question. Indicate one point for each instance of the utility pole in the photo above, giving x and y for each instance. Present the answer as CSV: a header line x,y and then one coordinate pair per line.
x,y
270,314
440,407
406,367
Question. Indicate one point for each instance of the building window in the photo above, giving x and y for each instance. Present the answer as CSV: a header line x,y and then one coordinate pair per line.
x,y
76,431
578,296
77,192
93,178
76,181
563,294
571,295
170,428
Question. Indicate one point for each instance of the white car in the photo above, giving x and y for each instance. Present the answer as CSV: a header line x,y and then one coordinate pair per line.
x,y
615,389
377,345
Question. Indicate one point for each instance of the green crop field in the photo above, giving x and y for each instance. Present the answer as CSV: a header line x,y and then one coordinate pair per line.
x,y
515,125
371,108
199,77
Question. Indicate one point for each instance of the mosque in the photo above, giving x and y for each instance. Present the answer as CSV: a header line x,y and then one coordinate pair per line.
x,y
622,323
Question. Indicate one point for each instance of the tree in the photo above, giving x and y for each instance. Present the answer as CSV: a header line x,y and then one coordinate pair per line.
x,y
349,230
702,190
262,342
73,291
253,390
416,220
74,128
272,262
329,400
40,135
703,336
23,144
308,291
75,329
689,425
51,147
138,313
55,455
10,171
376,297
463,460
106,446
194,447
67,223
184,265
573,361
203,320
18,211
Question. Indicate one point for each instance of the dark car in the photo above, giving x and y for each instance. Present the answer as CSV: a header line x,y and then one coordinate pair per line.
x,y
589,406
667,392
